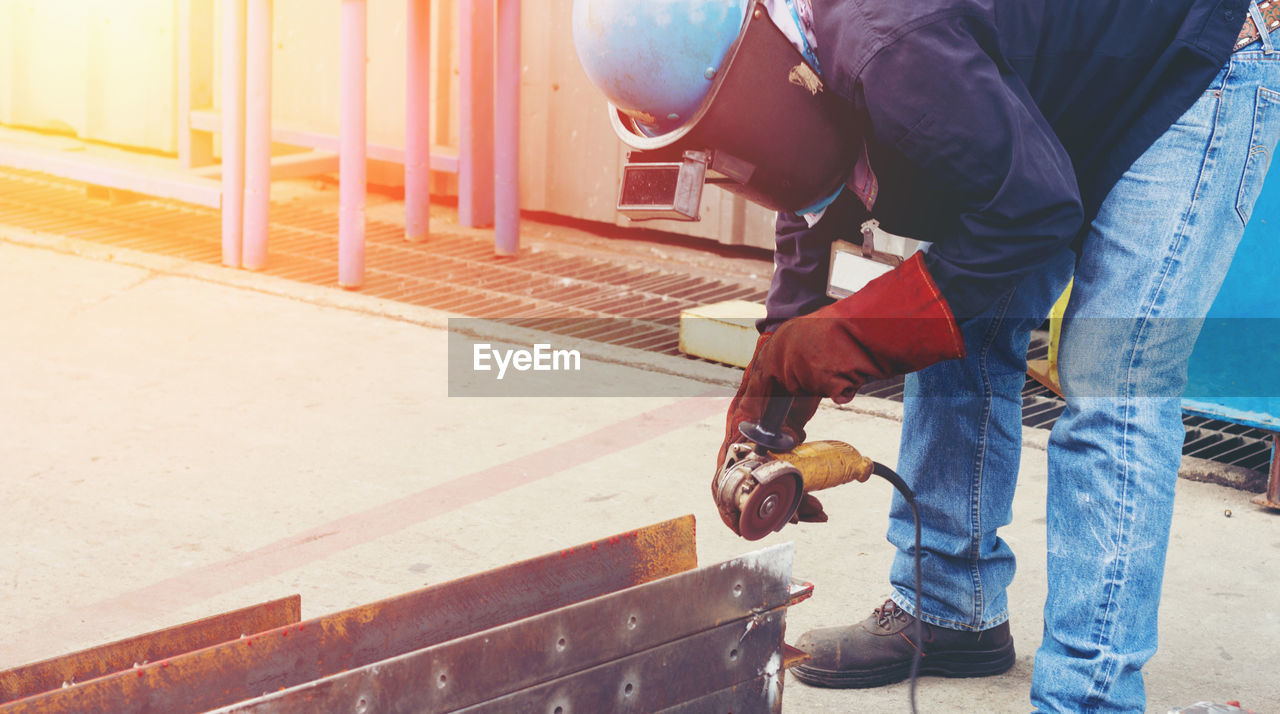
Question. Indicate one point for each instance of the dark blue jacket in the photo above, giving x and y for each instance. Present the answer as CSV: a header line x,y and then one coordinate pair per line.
x,y
997,127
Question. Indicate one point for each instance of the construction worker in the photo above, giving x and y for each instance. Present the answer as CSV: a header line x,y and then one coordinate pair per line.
x,y
1026,141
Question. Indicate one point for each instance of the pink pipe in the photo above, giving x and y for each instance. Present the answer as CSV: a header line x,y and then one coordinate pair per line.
x,y
353,145
257,148
475,113
417,159
506,144
233,42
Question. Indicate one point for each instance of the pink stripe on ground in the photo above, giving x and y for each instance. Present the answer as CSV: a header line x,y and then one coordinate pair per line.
x,y
143,605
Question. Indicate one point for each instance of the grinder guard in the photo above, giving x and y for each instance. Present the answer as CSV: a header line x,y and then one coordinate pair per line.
x,y
768,130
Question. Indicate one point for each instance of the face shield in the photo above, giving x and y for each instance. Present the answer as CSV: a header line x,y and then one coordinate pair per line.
x,y
767,129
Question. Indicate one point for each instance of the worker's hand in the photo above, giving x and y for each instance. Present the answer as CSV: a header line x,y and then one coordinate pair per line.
x,y
749,408
898,323
744,408
810,510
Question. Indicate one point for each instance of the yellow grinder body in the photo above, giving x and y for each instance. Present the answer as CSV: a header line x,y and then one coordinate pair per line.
x,y
761,492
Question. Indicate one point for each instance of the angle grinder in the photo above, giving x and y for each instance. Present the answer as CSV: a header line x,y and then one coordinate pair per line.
x,y
763,479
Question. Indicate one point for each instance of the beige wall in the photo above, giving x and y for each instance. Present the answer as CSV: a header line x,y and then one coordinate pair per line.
x,y
100,69
106,70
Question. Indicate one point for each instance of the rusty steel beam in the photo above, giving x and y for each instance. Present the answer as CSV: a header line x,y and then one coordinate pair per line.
x,y
288,656
664,677
742,697
32,679
491,664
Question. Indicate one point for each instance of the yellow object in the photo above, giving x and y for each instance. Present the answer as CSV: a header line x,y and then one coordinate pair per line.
x,y
827,464
723,332
1055,329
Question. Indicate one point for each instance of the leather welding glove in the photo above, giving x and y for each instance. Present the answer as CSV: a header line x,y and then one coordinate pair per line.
x,y
897,323
744,408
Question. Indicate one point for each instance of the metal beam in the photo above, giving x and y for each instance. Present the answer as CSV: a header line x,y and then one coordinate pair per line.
x,y
105,659
742,697
288,656
309,163
128,176
443,158
664,677
491,664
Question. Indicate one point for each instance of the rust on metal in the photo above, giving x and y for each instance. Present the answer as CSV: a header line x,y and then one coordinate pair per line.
x,y
288,656
665,676
557,644
801,590
664,551
742,697
1045,373
50,674
792,656
1271,499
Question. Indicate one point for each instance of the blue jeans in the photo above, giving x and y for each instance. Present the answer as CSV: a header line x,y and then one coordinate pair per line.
x,y
1149,270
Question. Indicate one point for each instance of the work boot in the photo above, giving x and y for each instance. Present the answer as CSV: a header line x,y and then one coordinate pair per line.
x,y
878,651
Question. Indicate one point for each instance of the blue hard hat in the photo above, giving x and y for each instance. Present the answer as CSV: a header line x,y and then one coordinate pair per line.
x,y
656,60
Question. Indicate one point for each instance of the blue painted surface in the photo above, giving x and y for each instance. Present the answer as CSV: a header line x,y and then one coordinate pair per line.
x,y
656,60
1234,373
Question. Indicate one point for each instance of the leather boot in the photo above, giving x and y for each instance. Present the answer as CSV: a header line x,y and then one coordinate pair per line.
x,y
878,651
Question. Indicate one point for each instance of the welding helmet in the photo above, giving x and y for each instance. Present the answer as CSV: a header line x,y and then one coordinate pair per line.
x,y
656,60
712,91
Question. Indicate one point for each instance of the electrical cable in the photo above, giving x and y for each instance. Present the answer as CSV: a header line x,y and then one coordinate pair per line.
x,y
909,496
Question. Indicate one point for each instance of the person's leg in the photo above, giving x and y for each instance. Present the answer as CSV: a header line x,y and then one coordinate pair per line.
x,y
971,408
1151,266
960,445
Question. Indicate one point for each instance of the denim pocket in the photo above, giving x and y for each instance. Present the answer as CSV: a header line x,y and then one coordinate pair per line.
x,y
1262,142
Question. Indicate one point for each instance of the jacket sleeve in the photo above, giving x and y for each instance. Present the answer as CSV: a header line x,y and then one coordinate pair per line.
x,y
941,97
802,259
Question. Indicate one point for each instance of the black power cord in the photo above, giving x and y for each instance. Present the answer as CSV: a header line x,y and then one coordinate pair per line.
x,y
892,477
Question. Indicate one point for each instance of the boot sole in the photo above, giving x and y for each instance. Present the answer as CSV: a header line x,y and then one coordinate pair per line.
x,y
963,663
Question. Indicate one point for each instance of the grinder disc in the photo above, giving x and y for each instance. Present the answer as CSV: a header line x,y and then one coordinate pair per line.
x,y
769,507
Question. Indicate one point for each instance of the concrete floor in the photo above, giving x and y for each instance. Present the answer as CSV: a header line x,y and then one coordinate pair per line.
x,y
183,440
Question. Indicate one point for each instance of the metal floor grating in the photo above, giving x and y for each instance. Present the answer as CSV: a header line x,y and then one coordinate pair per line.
x,y
456,273
554,291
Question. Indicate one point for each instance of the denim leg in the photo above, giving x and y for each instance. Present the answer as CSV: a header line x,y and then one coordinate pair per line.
x,y
961,439
1151,266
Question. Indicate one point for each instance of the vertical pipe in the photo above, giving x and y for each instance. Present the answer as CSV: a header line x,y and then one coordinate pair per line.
x,y
195,75
233,49
475,113
417,160
1273,483
506,143
353,177
257,145
185,52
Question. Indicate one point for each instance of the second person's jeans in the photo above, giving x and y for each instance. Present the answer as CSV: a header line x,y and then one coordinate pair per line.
x,y
1150,268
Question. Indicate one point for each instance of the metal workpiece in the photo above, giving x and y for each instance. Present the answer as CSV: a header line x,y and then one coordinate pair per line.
x,y
742,697
296,654
624,624
665,677
103,660
1271,498
610,653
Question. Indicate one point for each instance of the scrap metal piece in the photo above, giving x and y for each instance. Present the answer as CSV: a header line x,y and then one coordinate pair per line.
x,y
792,656
801,590
54,673
1271,499
485,670
288,656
